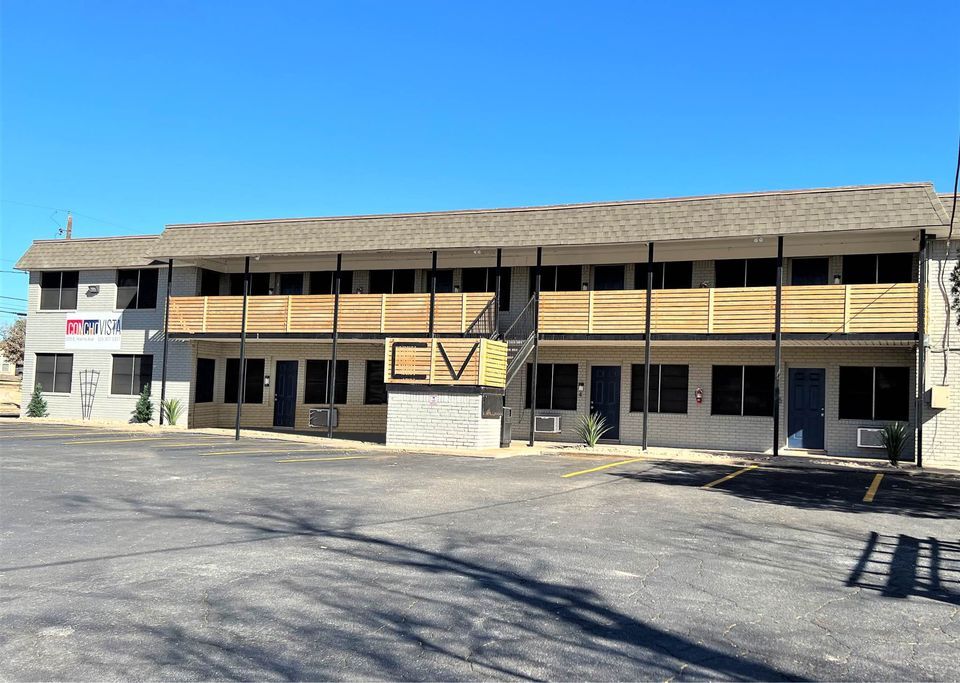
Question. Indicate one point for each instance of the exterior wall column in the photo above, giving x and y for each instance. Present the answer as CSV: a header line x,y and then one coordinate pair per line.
x,y
532,389
496,292
921,345
777,348
242,388
332,369
166,335
646,345
433,288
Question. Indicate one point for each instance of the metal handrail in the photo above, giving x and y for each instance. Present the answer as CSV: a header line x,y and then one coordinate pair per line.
x,y
485,316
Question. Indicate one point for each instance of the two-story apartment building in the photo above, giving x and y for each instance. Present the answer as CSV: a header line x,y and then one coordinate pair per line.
x,y
799,319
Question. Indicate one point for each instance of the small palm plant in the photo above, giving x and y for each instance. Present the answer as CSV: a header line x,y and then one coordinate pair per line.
x,y
172,410
894,437
591,428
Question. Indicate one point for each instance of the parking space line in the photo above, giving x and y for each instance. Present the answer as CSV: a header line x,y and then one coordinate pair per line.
x,y
55,435
253,451
601,467
139,438
874,485
717,482
340,457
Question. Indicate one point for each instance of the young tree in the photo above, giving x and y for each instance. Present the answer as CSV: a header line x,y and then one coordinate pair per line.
x,y
12,339
38,404
143,412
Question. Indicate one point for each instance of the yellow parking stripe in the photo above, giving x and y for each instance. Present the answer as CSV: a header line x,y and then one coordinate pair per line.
x,y
139,438
601,467
342,457
54,435
252,451
872,491
730,476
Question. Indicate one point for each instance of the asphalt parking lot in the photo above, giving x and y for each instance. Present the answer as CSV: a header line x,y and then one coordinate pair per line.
x,y
128,556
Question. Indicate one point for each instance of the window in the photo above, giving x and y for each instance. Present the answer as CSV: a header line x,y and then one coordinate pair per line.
x,y
254,384
444,281
397,281
375,391
668,388
753,272
131,373
315,390
259,284
742,390
321,282
669,275
209,282
54,372
871,269
206,369
868,393
557,278
809,271
556,386
137,288
58,290
485,280
291,283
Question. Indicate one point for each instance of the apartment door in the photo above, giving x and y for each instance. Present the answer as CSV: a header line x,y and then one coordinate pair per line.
x,y
806,408
285,394
605,396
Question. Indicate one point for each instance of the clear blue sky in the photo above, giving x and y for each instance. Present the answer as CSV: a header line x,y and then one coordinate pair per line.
x,y
137,114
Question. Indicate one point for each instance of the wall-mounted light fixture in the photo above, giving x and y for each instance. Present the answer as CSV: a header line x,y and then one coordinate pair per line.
x,y
579,388
836,279
757,240
93,290
266,380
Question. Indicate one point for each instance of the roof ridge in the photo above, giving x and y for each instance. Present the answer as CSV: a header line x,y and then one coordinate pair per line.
x,y
556,207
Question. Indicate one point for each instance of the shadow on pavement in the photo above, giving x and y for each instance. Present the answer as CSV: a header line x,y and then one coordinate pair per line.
x,y
903,566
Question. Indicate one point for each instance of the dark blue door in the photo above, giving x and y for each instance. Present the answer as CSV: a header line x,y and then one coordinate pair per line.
x,y
285,394
605,396
805,410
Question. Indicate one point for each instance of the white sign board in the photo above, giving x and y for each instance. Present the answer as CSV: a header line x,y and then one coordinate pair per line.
x,y
93,331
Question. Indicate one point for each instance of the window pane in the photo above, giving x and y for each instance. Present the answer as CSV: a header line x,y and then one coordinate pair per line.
x,y
291,283
895,268
505,287
209,282
444,281
236,284
674,381
63,380
653,395
404,281
893,394
640,271
856,393
730,273
206,370
321,282
608,278
636,388
544,385
375,391
231,380
254,392
44,373
475,280
143,373
315,388
860,269
147,296
343,373
565,386
727,385
758,381
381,281
49,291
68,294
809,271
761,272
678,275
122,380
548,279
259,284
346,281
127,289
569,278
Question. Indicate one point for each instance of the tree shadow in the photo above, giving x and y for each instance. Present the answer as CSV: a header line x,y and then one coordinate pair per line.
x,y
362,604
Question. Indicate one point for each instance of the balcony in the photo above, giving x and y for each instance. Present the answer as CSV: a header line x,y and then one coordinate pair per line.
x,y
373,314
830,309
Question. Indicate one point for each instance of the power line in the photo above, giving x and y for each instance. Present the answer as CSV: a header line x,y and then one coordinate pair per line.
x,y
19,272
20,313
15,298
75,213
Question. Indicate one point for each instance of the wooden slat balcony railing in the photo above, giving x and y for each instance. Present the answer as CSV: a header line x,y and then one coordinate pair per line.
x,y
313,313
841,309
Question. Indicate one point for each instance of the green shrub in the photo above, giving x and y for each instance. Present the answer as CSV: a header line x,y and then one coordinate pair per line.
x,y
143,412
591,428
894,438
171,409
38,404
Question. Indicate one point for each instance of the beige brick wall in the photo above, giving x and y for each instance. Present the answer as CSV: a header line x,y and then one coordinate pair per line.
x,y
698,428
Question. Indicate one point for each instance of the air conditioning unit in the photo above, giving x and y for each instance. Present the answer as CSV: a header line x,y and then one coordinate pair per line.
x,y
869,437
547,424
320,418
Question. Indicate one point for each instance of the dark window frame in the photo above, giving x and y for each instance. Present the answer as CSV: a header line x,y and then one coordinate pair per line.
x,y
56,374
252,388
139,362
752,270
60,288
547,386
851,404
317,381
321,282
874,269
259,284
137,290
203,391
550,277
209,280
749,395
637,399
664,272
372,391
404,272
489,277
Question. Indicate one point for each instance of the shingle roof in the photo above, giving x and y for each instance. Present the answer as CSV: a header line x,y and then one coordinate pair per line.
x,y
92,252
782,212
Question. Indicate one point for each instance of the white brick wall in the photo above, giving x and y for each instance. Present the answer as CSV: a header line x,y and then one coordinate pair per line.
x,y
439,419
